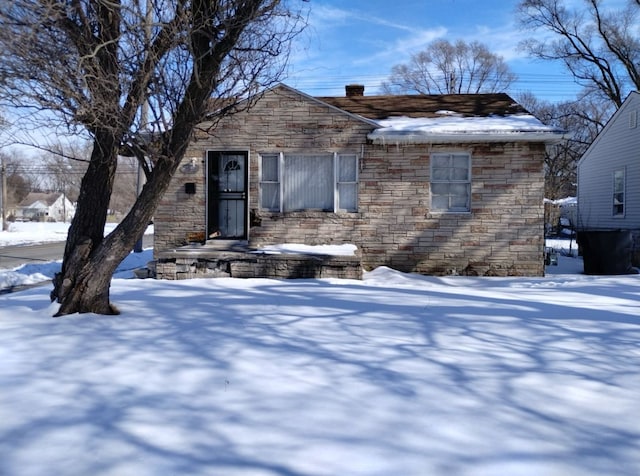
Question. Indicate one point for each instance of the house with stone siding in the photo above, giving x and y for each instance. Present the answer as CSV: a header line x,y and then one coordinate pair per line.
x,y
433,184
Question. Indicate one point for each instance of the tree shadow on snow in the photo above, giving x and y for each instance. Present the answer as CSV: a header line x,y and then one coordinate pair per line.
x,y
326,377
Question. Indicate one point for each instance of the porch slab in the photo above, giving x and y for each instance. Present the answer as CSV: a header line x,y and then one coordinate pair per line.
x,y
238,261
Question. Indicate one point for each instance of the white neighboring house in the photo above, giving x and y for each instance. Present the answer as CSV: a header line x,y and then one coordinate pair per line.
x,y
45,207
609,187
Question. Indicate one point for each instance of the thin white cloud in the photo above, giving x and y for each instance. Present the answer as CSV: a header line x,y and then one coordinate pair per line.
x,y
501,41
383,22
322,14
402,48
331,16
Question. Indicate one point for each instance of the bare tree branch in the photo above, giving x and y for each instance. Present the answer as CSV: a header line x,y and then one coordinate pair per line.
x,y
600,48
451,68
583,119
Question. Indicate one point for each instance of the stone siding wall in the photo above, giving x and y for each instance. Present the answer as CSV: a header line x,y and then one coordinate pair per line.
x,y
501,235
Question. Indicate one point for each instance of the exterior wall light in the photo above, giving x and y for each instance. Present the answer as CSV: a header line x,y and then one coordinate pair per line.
x,y
191,167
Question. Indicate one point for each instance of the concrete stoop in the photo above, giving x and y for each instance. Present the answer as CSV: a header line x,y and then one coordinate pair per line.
x,y
213,262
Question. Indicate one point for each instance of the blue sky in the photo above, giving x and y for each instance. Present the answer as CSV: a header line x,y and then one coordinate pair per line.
x,y
358,41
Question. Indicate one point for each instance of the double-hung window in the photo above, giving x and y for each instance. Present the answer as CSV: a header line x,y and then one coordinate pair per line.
x,y
618,193
294,182
450,182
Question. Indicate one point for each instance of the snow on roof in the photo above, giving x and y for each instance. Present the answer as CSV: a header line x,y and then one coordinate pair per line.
x,y
45,199
456,127
563,201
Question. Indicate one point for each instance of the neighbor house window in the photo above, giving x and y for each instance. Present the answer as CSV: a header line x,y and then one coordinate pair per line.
x,y
451,182
293,182
618,192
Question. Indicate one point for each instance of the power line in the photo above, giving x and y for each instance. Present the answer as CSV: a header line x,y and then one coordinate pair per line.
x,y
559,85
44,171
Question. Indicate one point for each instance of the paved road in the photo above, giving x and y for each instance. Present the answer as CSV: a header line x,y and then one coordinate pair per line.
x,y
14,256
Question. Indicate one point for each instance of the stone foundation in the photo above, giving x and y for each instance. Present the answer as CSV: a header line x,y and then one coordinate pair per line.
x,y
187,264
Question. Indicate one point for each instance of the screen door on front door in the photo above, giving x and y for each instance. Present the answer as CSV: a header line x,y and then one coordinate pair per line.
x,y
227,195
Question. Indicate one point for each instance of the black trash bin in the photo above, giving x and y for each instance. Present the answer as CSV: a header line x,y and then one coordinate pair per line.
x,y
606,252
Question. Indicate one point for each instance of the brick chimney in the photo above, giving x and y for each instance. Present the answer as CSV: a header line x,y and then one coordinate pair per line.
x,y
354,90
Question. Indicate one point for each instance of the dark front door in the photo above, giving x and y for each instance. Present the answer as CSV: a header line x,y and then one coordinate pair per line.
x,y
227,175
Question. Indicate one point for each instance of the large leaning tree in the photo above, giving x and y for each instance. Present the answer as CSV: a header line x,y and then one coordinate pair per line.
x,y
136,75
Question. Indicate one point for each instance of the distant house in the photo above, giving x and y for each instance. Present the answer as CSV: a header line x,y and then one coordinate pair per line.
x,y
442,184
609,194
45,207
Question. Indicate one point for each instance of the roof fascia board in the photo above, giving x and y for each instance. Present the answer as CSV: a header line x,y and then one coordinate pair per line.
x,y
548,138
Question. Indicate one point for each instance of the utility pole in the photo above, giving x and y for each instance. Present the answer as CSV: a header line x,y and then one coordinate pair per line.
x,y
144,112
64,207
3,195
137,247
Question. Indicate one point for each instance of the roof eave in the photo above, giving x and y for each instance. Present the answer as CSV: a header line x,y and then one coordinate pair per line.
x,y
406,137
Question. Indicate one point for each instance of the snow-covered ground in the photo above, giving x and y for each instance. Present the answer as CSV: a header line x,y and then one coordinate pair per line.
x,y
397,374
32,233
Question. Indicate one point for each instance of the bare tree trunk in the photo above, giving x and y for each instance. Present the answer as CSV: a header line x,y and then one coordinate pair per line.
x,y
84,287
79,286
90,259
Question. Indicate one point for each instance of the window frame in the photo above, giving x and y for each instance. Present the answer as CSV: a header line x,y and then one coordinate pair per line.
x,y
615,196
278,182
335,180
449,181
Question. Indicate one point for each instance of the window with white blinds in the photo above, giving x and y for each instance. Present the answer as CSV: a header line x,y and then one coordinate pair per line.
x,y
294,182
